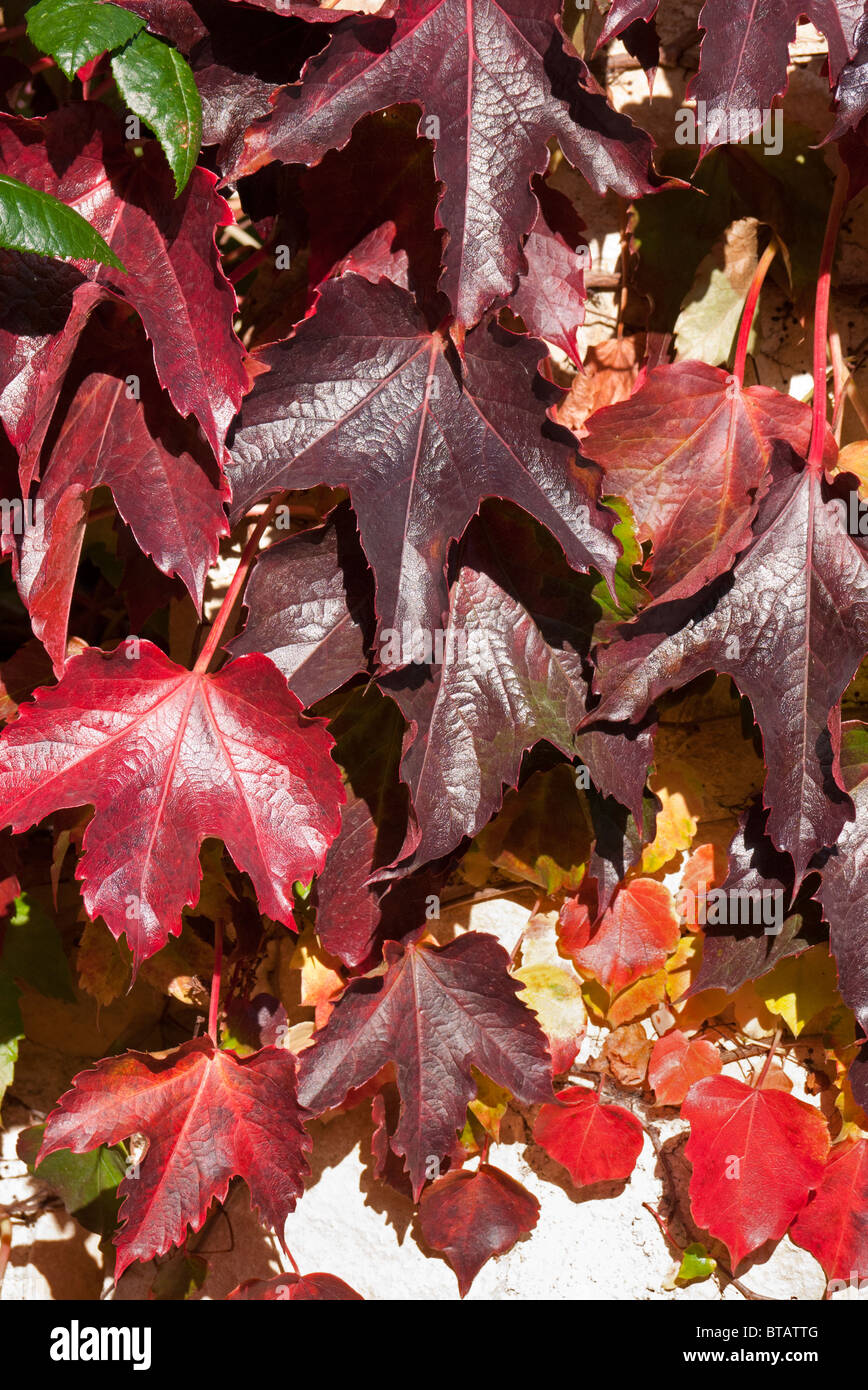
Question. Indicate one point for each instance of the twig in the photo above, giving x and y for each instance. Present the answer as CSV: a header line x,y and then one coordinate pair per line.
x,y
821,316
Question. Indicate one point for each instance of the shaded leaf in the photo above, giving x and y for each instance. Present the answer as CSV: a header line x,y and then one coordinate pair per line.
x,y
472,1216
461,60
790,625
365,396
173,279
434,1012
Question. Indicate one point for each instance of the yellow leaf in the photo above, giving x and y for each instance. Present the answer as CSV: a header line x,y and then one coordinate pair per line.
x,y
555,994
321,980
490,1104
637,999
799,988
853,458
683,965
693,1013
676,829
104,967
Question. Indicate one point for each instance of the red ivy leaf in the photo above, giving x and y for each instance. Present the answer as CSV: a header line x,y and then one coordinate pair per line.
x,y
436,1011
634,937
745,51
168,757
677,1061
843,890
310,607
162,477
173,280
688,451
472,1216
208,1116
319,1288
834,1224
594,1142
622,14
365,396
463,61
790,625
756,1156
551,295
852,90
512,674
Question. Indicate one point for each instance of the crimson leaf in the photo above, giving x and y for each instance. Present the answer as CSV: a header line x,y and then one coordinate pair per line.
x,y
168,757
512,673
688,451
208,1116
463,61
310,602
734,953
327,1288
473,1216
756,1157
163,479
551,295
745,51
833,1225
364,395
844,883
790,625
173,278
434,1012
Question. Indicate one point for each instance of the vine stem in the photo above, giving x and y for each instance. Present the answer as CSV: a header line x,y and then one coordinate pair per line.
x,y
769,1058
249,264
103,87
214,1003
821,315
749,310
5,1245
238,578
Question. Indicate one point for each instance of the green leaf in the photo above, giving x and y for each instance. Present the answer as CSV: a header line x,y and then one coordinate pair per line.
x,y
35,221
85,1183
33,951
157,84
630,591
74,31
11,1030
696,1263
